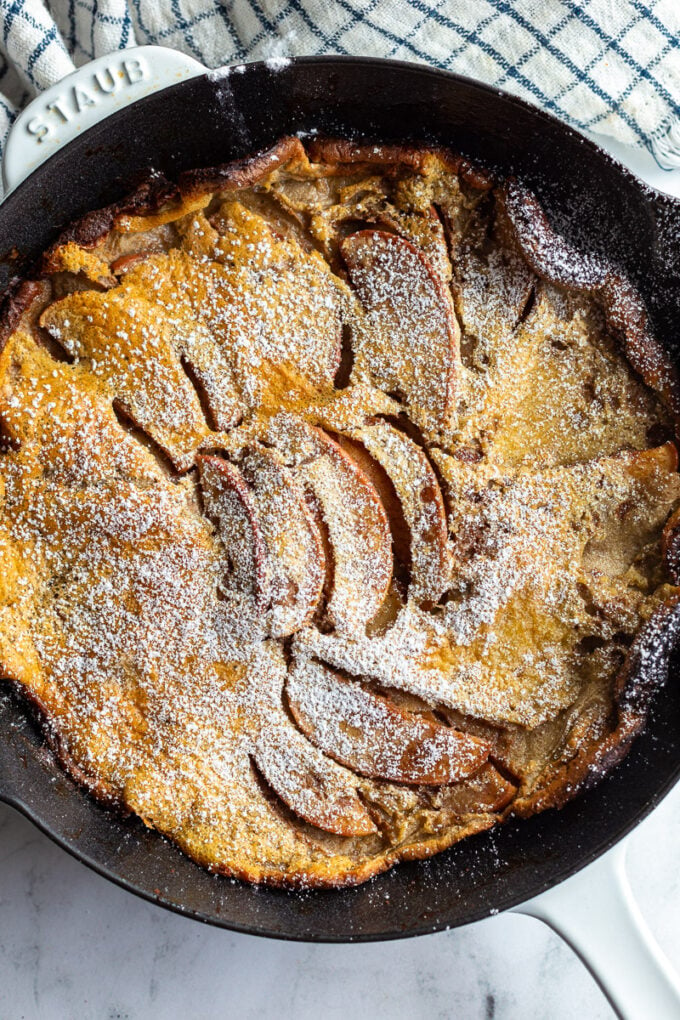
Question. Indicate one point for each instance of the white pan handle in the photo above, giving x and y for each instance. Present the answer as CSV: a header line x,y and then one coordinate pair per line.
x,y
85,97
595,913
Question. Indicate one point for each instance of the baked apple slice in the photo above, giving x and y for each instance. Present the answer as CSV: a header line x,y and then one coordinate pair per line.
x,y
425,229
421,502
372,469
128,349
228,501
273,303
352,513
173,293
312,785
372,736
487,790
408,342
491,291
421,227
297,563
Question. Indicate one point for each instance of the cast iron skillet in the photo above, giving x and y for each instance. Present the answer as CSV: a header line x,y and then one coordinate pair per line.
x,y
594,202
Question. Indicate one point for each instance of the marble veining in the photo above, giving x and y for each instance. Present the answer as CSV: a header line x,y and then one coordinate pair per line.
x,y
75,946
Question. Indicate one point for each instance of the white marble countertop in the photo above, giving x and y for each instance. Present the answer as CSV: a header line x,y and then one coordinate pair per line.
x,y
75,946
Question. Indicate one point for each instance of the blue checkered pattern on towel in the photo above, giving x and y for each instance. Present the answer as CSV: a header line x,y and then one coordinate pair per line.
x,y
610,66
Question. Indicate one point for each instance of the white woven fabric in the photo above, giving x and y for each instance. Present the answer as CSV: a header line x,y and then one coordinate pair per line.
x,y
610,66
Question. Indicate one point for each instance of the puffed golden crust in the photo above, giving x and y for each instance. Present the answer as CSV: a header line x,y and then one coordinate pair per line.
x,y
340,508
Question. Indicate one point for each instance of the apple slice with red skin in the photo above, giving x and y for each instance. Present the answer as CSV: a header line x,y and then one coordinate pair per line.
x,y
409,340
384,486
352,514
426,230
297,561
358,533
423,228
421,503
228,501
375,738
312,785
487,790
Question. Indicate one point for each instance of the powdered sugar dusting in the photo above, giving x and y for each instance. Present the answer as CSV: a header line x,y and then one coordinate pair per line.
x,y
423,531
277,63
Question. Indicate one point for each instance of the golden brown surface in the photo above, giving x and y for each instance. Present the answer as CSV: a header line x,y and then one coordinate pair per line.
x,y
331,507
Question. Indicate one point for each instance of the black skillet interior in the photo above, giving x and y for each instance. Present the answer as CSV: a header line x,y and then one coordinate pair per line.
x,y
589,198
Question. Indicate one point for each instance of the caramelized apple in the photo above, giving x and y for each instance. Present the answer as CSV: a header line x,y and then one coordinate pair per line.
x,y
408,341
372,736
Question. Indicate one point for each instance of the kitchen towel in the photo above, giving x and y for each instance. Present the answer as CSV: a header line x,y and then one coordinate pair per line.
x,y
609,66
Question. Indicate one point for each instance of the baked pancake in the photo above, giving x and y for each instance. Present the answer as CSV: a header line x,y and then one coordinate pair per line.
x,y
339,508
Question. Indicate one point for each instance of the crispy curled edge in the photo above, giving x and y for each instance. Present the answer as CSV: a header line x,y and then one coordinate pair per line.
x,y
644,671
553,259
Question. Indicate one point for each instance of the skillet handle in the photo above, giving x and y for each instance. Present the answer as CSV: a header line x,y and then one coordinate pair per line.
x,y
595,913
85,97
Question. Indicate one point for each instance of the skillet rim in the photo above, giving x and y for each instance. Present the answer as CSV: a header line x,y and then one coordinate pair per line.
x,y
214,77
